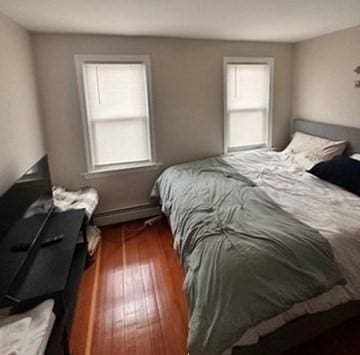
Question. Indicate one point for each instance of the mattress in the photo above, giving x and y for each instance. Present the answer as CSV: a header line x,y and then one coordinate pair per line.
x,y
332,211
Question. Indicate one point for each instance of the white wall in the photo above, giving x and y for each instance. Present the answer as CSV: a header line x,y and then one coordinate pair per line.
x,y
323,83
188,99
20,126
188,103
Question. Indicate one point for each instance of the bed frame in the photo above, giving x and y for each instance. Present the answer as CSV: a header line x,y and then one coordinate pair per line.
x,y
309,326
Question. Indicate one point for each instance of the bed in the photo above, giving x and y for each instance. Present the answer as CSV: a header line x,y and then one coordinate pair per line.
x,y
294,269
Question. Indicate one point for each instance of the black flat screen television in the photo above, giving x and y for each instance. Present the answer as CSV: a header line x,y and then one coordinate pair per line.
x,y
24,209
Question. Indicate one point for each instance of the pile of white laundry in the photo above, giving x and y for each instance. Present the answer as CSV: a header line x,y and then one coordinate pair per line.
x,y
86,198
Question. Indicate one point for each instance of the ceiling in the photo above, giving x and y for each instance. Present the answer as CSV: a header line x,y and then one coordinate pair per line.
x,y
260,20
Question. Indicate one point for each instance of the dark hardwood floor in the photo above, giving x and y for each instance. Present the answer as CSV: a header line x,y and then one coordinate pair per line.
x,y
131,301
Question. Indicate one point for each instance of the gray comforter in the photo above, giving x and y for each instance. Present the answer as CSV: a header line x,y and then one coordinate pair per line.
x,y
246,259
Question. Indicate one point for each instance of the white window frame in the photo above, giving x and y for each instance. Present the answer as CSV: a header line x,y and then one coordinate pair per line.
x,y
248,60
109,169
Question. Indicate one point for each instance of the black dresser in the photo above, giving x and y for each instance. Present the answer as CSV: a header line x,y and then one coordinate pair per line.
x,y
55,272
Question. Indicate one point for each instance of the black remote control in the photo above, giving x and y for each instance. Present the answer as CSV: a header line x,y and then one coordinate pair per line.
x,y
51,240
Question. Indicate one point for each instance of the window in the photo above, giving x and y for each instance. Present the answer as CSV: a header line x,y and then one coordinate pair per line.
x,y
248,83
115,93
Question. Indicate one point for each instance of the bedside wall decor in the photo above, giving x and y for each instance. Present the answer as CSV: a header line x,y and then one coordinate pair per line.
x,y
357,71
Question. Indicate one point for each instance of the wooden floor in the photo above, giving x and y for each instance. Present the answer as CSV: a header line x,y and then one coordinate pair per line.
x,y
139,306
131,301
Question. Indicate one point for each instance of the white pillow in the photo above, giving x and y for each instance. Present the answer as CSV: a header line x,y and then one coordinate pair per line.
x,y
320,148
355,156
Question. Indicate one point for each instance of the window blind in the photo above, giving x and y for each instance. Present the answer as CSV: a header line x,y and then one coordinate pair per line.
x,y
117,112
247,103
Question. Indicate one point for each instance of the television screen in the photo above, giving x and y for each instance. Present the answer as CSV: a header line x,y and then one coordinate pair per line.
x,y
24,209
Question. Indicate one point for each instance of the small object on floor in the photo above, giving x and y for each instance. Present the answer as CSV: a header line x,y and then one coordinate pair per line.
x,y
148,223
93,236
153,220
129,233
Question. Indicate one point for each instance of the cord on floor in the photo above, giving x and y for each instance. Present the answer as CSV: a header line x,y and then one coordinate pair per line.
x,y
135,231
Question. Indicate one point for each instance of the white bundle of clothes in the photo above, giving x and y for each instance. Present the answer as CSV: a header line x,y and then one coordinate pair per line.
x,y
86,198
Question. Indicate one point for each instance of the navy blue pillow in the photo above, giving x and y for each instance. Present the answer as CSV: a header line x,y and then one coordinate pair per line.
x,y
340,171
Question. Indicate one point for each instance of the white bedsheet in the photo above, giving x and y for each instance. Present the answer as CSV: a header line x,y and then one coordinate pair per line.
x,y
28,338
334,212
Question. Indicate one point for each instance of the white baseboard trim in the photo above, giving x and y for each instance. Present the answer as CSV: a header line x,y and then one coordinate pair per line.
x,y
126,214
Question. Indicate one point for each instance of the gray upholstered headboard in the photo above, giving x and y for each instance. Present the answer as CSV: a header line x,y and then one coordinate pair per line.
x,y
330,131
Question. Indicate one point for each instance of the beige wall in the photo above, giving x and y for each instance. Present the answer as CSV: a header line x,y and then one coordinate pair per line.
x,y
188,103
323,84
188,99
20,128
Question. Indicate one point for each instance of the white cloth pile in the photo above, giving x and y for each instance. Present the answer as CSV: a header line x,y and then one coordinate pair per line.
x,y
27,333
86,198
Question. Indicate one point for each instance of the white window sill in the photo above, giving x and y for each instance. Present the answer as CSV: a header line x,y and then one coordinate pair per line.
x,y
121,169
